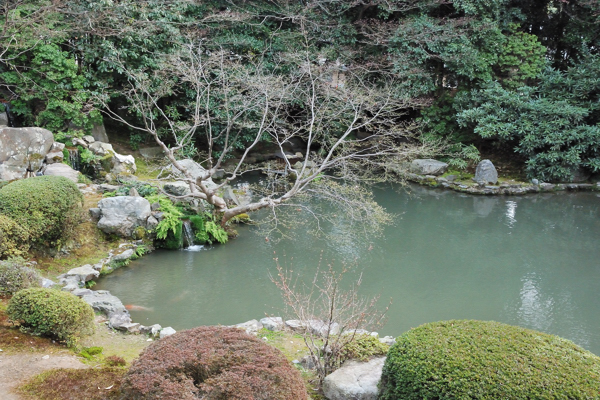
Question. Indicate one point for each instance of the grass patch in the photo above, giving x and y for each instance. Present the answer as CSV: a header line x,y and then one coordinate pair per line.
x,y
75,384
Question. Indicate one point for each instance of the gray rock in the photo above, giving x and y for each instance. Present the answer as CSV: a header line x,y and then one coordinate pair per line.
x,y
132,327
295,325
80,142
88,139
124,255
354,380
579,175
535,181
151,223
22,151
105,187
122,215
119,320
101,149
70,284
3,119
168,331
356,332
177,188
274,324
122,164
150,153
95,214
389,340
54,157
154,206
99,133
219,174
320,328
428,167
153,330
83,274
82,292
103,301
133,192
308,362
196,171
486,172
62,170
251,327
47,283
57,146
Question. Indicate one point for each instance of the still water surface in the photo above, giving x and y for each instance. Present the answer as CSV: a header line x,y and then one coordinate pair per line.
x,y
531,261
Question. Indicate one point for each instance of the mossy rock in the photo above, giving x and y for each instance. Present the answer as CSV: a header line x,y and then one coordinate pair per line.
x,y
487,360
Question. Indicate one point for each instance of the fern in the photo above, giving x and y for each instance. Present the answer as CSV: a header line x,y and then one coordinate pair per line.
x,y
171,216
216,232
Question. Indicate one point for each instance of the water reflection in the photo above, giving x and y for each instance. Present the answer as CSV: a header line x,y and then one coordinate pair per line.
x,y
511,211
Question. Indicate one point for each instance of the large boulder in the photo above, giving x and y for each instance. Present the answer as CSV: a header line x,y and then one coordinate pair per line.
x,y
428,167
104,302
122,215
58,169
354,380
83,274
195,169
112,162
22,151
99,133
486,172
177,188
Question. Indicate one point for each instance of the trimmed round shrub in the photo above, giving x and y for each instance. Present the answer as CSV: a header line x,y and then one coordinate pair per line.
x,y
14,240
53,313
15,275
487,360
212,363
48,207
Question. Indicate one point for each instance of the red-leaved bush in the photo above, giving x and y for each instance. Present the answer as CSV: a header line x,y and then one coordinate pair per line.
x,y
212,363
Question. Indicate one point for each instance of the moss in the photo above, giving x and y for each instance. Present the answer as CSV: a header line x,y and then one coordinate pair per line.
x,y
487,360
14,239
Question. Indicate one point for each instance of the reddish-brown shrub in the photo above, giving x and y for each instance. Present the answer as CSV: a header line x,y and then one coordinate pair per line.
x,y
212,363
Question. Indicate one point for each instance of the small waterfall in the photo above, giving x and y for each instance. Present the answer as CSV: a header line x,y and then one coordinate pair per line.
x,y
74,159
188,234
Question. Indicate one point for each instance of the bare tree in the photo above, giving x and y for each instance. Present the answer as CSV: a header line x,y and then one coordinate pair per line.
x,y
349,124
329,316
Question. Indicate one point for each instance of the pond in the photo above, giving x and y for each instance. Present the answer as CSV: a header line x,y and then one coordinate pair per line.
x,y
532,261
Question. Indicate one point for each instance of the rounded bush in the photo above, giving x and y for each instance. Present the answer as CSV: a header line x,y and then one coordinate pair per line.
x,y
215,363
52,313
14,240
15,275
487,360
47,207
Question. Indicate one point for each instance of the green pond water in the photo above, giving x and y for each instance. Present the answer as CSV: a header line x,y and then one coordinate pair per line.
x,y
532,261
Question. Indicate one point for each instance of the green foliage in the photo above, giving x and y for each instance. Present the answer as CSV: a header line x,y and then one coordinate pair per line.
x,y
556,125
89,353
16,275
206,230
52,313
14,239
363,347
487,360
171,221
139,252
86,156
47,207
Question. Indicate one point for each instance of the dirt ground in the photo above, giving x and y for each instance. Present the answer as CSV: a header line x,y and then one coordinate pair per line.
x,y
16,368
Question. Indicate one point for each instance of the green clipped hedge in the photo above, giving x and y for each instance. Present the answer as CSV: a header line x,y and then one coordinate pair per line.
x,y
14,239
52,313
15,275
487,360
47,207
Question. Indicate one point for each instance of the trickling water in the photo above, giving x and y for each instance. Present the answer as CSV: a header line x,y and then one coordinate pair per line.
x,y
188,234
74,159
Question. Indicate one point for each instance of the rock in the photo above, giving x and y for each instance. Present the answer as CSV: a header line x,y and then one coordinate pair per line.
x,y
54,157
95,214
70,284
101,149
132,327
154,206
428,167
22,151
3,119
535,182
177,188
62,170
124,255
134,193
274,324
153,330
80,142
251,327
295,325
308,362
57,146
122,164
122,215
389,340
105,187
320,328
579,175
83,274
82,292
103,301
47,283
486,172
219,174
151,223
119,320
99,133
88,139
356,332
196,170
354,380
168,331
